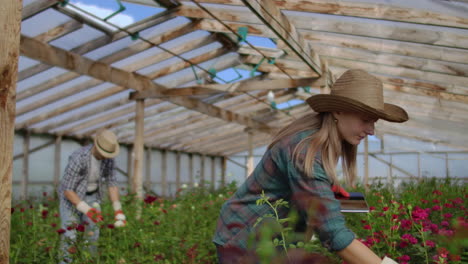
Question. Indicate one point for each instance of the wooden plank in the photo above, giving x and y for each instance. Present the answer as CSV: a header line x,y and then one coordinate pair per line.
x,y
202,171
57,96
213,173
129,166
345,40
450,68
57,160
250,162
35,7
223,171
407,33
35,149
10,19
59,31
177,171
364,10
148,184
272,16
190,169
52,55
81,115
25,168
137,176
398,71
104,40
164,173
237,87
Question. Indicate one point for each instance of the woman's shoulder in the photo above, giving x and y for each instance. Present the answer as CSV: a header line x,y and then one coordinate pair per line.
x,y
297,137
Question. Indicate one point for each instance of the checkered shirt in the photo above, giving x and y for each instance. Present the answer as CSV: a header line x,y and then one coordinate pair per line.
x,y
77,172
280,178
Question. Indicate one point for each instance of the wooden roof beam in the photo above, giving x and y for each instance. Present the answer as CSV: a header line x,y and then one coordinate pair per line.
x,y
405,33
237,87
272,17
37,7
64,59
364,10
106,39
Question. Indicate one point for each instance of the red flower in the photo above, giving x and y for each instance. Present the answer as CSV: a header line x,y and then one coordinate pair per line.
x,y
80,228
404,258
437,192
385,209
429,243
419,214
436,208
435,201
29,223
61,231
406,224
53,225
367,227
409,238
110,226
150,199
157,223
158,257
371,208
44,213
22,210
448,215
56,215
137,244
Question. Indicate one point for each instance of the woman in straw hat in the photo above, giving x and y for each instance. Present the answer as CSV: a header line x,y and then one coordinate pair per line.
x,y
299,167
81,188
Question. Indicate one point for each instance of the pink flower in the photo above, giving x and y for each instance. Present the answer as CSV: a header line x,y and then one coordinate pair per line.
x,y
435,201
446,232
429,243
419,214
448,215
404,258
371,208
444,223
437,192
406,224
80,228
409,238
395,227
424,201
367,227
385,209
448,205
436,208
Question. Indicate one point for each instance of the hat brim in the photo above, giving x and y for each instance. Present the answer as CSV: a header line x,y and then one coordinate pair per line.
x,y
105,154
331,103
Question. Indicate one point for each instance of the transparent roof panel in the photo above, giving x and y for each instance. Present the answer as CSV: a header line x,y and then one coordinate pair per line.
x,y
25,62
114,12
77,38
43,22
39,78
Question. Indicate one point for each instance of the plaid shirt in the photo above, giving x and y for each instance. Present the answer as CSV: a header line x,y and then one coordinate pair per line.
x,y
77,173
280,178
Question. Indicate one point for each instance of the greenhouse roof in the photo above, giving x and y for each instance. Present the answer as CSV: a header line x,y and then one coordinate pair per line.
x,y
211,72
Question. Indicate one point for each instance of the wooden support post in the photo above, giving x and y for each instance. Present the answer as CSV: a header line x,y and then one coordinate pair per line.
x,y
57,160
10,19
390,175
213,176
129,167
366,163
447,170
25,179
191,170
137,186
177,171
163,173
148,183
202,171
223,171
419,165
249,163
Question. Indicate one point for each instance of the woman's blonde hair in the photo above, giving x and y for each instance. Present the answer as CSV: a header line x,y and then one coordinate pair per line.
x,y
326,140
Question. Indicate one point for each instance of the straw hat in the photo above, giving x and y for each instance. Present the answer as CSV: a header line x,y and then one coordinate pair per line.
x,y
106,144
358,91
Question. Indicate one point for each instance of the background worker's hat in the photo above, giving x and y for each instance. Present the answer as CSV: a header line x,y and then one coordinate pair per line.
x,y
358,91
106,144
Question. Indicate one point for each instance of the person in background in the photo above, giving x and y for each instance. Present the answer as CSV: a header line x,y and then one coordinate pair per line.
x,y
89,169
299,166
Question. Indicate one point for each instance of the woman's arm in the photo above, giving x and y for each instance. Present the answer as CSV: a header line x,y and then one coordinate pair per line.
x,y
358,253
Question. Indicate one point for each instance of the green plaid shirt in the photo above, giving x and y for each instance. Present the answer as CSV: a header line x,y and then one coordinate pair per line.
x,y
280,178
